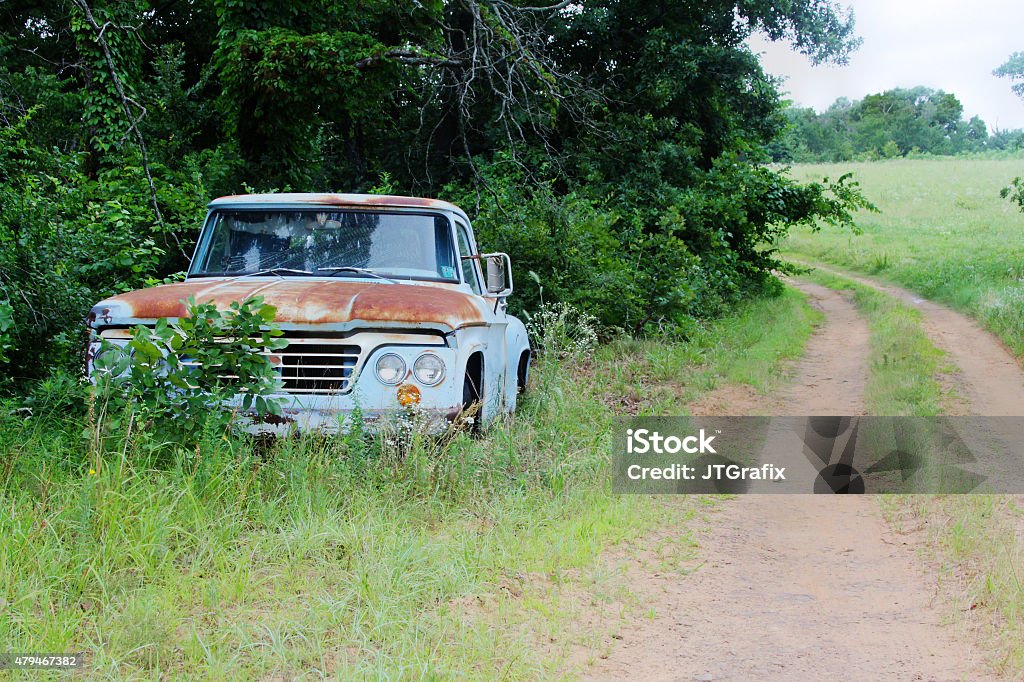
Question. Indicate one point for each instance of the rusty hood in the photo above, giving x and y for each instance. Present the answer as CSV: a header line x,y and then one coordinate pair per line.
x,y
304,303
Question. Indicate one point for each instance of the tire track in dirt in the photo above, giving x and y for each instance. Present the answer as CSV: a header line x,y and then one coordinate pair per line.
x,y
797,587
989,377
829,379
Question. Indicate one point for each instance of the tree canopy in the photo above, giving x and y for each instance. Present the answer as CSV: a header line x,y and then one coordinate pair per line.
x,y
1014,70
616,148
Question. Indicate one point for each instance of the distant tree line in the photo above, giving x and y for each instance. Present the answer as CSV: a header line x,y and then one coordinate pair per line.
x,y
890,124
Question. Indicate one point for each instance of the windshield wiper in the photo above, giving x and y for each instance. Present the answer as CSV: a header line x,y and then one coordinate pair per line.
x,y
360,271
280,272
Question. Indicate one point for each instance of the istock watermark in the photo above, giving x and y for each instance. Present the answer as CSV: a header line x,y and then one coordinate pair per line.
x,y
830,455
642,441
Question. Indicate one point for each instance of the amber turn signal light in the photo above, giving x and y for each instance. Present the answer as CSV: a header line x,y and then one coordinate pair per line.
x,y
408,395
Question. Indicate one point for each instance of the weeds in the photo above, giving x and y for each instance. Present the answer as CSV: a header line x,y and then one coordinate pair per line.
x,y
753,347
163,556
561,330
183,374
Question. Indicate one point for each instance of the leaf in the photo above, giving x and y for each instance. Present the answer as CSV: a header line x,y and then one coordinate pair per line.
x,y
145,348
267,312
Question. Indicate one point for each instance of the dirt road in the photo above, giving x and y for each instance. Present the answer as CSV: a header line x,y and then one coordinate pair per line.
x,y
814,587
988,378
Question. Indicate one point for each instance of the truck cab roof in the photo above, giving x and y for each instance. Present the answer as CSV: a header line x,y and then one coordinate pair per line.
x,y
305,199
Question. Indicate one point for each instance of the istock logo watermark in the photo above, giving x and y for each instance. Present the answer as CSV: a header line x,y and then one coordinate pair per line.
x,y
832,455
643,441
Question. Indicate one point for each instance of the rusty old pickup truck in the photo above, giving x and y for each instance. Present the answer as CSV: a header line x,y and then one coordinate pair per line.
x,y
386,303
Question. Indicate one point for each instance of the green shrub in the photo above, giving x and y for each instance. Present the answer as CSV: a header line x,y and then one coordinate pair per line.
x,y
69,238
183,374
569,239
654,259
6,329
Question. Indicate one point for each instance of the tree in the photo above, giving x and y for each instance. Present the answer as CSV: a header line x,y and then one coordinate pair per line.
x,y
1014,70
977,131
1015,192
624,136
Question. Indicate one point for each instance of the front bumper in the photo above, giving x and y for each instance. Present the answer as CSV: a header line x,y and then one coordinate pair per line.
x,y
362,396
372,404
291,420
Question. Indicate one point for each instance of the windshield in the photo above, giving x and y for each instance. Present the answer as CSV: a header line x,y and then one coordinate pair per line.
x,y
327,243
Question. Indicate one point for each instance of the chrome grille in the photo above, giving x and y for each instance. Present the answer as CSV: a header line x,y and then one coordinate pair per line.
x,y
309,365
316,365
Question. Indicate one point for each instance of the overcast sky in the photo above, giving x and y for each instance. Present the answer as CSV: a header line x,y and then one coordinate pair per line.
x,y
943,44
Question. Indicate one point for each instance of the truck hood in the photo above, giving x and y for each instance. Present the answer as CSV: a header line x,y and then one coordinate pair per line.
x,y
301,302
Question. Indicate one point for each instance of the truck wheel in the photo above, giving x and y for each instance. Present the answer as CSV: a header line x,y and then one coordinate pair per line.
x,y
472,390
523,372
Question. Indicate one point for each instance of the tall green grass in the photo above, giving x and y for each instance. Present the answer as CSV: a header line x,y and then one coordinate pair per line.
x,y
353,557
316,553
943,231
753,347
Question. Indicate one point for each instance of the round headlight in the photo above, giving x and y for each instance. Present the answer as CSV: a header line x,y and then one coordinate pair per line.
x,y
111,358
428,369
390,369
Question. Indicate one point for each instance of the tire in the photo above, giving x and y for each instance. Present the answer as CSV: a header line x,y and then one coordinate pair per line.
x,y
471,405
523,372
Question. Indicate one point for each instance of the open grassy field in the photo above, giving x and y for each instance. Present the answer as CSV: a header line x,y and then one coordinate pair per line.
x,y
943,231
353,557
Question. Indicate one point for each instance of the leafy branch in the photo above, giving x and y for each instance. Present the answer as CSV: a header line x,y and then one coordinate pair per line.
x,y
126,102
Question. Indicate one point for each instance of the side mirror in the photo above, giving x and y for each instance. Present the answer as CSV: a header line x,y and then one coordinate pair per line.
x,y
499,273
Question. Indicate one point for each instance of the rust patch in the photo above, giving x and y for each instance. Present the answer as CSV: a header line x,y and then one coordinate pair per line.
x,y
272,419
309,302
418,304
